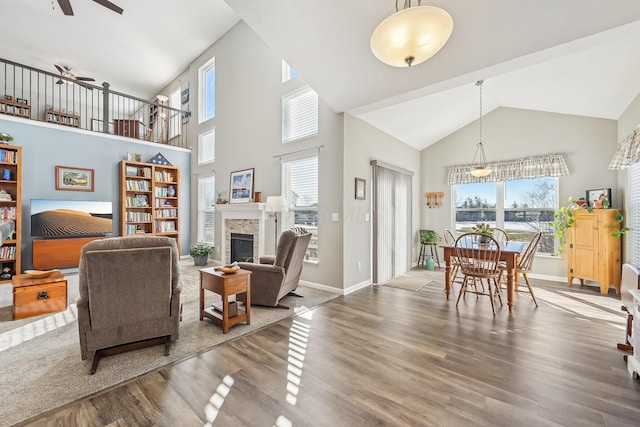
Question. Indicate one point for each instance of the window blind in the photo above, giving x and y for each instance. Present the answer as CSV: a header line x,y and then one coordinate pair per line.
x,y
206,209
633,212
299,115
207,146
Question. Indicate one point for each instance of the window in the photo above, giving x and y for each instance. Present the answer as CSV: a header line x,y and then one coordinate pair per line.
x,y
207,146
206,209
288,73
207,88
299,115
300,190
521,207
175,125
633,213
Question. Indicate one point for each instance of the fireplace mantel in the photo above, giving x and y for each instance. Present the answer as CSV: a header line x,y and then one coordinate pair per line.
x,y
254,214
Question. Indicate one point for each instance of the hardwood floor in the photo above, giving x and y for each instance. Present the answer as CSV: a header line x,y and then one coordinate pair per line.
x,y
387,356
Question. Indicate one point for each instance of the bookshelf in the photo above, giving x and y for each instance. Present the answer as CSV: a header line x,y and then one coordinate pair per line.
x,y
13,108
149,199
62,118
10,206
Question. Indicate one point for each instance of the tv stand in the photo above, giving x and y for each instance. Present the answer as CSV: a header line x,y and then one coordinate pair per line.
x,y
59,253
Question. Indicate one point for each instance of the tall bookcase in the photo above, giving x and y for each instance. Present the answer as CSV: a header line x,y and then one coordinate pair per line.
x,y
149,199
10,204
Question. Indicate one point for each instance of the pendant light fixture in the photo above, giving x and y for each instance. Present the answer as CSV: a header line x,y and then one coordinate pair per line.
x,y
411,35
479,168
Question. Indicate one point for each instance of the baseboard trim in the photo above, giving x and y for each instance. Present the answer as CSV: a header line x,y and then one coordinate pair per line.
x,y
322,287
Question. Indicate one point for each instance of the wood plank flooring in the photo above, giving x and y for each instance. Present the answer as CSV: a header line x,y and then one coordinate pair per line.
x,y
387,356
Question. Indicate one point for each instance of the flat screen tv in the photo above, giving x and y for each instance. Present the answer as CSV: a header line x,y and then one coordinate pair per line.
x,y
53,219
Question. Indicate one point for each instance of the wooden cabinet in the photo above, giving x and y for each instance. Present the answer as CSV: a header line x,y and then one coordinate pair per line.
x,y
594,254
62,118
129,128
14,108
10,209
149,199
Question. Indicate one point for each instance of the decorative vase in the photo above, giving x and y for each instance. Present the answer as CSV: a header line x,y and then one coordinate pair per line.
x,y
483,239
200,260
171,191
430,264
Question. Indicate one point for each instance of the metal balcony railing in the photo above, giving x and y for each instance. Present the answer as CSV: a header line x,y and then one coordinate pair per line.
x,y
48,97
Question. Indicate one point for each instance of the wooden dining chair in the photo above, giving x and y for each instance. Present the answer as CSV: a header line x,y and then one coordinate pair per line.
x,y
500,235
524,264
479,263
449,238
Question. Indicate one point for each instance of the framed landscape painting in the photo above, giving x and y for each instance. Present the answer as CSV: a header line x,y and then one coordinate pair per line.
x,y
74,179
241,190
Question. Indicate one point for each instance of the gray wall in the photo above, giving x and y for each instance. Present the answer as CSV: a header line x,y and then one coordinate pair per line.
x,y
511,133
45,146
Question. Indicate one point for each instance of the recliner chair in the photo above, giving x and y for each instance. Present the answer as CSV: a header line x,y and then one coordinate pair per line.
x,y
129,295
274,277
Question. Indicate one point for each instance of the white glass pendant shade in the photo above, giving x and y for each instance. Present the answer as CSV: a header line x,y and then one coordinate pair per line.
x,y
480,171
411,36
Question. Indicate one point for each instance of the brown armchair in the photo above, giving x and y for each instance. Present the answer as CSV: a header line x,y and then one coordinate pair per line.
x,y
276,276
129,295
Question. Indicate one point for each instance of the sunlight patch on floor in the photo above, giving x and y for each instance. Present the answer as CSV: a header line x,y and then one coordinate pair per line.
x,y
212,408
587,306
32,330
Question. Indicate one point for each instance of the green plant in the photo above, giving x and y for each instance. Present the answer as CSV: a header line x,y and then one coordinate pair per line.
x,y
200,249
5,137
483,228
428,237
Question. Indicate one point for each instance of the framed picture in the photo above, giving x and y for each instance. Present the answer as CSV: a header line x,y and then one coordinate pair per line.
x,y
185,96
141,200
361,185
131,171
22,101
74,179
241,188
600,198
134,157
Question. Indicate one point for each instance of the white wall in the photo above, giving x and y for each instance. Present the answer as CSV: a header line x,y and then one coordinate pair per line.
x,y
511,133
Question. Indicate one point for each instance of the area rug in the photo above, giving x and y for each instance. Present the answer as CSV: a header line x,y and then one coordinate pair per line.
x,y
40,360
415,279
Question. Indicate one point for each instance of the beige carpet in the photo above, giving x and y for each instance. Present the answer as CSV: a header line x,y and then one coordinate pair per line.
x,y
40,365
416,279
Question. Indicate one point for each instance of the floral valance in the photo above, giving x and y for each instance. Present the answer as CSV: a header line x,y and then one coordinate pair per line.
x,y
627,152
531,167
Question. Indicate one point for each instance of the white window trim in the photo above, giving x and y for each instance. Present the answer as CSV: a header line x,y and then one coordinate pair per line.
x,y
201,87
200,137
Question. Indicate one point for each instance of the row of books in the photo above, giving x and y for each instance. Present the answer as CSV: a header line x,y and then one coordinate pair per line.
x,y
134,229
14,109
8,252
164,176
165,226
136,185
8,156
144,172
138,217
167,213
8,213
62,119
164,192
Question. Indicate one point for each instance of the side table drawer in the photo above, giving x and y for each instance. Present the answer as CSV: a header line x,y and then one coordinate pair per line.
x,y
39,299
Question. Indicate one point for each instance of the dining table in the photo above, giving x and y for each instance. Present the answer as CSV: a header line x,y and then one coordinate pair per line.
x,y
510,251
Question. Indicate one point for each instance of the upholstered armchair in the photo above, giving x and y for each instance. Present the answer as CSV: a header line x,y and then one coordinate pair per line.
x,y
276,276
129,295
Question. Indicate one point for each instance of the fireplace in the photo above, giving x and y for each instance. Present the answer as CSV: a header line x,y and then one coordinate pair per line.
x,y
241,247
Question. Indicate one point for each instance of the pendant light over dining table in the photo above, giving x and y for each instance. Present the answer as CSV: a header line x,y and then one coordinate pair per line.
x,y
479,168
411,35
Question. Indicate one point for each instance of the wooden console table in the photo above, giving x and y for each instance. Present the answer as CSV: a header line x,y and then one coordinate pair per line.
x,y
225,285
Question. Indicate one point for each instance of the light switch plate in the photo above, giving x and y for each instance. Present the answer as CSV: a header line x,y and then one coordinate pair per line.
x,y
335,216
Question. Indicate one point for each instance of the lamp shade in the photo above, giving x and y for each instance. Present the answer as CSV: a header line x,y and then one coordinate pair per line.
x,y
411,36
276,204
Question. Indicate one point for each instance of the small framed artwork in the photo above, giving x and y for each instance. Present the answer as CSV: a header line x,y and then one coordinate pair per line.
x,y
360,189
241,187
185,96
8,97
134,157
131,171
74,179
600,198
22,101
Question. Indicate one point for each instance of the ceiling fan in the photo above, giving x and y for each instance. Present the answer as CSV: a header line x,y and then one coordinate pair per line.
x,y
65,5
66,72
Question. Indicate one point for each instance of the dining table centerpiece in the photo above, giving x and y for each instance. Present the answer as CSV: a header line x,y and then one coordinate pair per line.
x,y
484,229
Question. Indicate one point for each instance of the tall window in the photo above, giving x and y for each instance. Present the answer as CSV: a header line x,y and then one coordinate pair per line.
x,y
288,73
206,209
299,115
521,207
207,89
300,190
175,124
633,213
207,146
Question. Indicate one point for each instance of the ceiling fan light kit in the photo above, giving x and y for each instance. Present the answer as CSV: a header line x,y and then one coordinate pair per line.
x,y
480,168
412,35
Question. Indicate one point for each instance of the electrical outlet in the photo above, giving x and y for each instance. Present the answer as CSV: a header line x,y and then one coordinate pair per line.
x,y
359,265
335,216
366,217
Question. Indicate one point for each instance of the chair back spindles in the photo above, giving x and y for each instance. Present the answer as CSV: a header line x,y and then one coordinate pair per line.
x,y
528,254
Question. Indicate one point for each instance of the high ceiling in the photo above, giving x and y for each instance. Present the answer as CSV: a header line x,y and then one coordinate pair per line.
x,y
575,56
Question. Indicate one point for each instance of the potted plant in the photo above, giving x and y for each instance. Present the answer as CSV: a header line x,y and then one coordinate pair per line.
x,y
484,229
429,237
200,252
5,138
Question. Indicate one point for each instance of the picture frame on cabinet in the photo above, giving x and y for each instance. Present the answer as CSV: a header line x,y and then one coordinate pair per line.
x,y
241,186
74,179
599,198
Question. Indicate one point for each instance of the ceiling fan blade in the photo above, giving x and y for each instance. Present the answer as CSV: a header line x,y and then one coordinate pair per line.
x,y
65,5
58,67
60,82
109,5
86,79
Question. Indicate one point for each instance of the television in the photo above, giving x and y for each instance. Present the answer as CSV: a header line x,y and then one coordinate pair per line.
x,y
53,219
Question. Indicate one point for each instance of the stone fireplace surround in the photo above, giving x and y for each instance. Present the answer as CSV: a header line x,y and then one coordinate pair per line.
x,y
245,218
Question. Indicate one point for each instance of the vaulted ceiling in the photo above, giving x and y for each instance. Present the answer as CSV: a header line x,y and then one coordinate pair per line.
x,y
575,56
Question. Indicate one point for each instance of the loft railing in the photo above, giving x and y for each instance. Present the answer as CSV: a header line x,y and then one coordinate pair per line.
x,y
48,97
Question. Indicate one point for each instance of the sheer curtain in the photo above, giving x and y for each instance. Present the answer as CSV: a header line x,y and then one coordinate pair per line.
x,y
391,221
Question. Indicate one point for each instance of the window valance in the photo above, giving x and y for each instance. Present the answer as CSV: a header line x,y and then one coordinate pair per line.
x,y
627,152
531,167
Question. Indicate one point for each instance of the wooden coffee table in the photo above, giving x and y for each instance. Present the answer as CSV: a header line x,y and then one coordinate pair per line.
x,y
225,284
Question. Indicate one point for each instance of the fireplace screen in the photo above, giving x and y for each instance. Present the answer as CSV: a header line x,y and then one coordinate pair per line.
x,y
241,247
